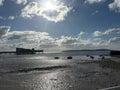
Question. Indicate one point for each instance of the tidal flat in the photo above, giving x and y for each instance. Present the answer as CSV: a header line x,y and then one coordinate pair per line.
x,y
41,73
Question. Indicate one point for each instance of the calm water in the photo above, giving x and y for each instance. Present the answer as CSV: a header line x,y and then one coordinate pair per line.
x,y
43,72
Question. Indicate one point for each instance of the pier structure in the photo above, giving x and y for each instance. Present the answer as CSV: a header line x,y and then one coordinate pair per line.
x,y
22,51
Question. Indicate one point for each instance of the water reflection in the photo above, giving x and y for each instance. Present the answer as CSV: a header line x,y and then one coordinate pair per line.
x,y
52,81
46,73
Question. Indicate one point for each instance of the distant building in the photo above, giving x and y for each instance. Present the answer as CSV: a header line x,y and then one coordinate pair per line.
x,y
112,53
20,51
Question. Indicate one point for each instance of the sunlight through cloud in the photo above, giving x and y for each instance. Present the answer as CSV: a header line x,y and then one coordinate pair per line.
x,y
49,5
51,10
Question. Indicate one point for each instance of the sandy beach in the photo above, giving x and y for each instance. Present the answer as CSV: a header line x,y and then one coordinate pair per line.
x,y
56,75
59,44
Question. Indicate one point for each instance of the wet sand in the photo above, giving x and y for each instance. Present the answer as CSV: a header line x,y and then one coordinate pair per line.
x,y
75,75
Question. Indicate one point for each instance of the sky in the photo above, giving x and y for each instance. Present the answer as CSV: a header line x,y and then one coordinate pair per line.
x,y
60,24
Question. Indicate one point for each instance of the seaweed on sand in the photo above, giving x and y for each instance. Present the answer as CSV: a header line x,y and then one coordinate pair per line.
x,y
25,70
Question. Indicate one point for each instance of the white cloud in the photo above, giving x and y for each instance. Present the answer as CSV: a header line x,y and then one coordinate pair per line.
x,y
11,17
78,43
114,40
28,36
81,33
1,17
55,12
1,2
97,33
66,40
114,43
31,39
6,47
102,44
4,30
107,32
115,5
42,40
112,31
20,1
93,1
95,12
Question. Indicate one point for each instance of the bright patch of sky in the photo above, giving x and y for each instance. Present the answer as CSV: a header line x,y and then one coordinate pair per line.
x,y
60,24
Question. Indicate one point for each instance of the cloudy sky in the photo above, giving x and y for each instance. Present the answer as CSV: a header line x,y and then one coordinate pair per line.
x,y
60,24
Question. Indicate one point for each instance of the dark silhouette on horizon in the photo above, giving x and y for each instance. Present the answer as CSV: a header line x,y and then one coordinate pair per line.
x,y
20,51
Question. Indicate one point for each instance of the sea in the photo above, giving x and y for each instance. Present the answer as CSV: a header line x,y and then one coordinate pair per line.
x,y
42,71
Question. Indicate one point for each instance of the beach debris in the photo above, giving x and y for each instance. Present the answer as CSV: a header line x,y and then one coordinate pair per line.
x,y
56,57
26,70
69,57
103,57
91,57
100,55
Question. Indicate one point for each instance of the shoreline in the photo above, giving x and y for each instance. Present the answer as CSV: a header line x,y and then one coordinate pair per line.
x,y
60,74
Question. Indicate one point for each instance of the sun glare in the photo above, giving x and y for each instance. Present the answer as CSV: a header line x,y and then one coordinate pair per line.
x,y
49,6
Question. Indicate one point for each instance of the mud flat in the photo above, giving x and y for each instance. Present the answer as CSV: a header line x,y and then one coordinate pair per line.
x,y
61,75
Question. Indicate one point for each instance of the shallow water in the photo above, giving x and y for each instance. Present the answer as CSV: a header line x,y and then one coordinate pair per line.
x,y
43,72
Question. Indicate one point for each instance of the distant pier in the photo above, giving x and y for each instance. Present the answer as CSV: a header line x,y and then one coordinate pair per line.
x,y
8,52
22,51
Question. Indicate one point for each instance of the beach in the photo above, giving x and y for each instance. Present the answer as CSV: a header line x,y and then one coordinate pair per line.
x,y
59,44
30,72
